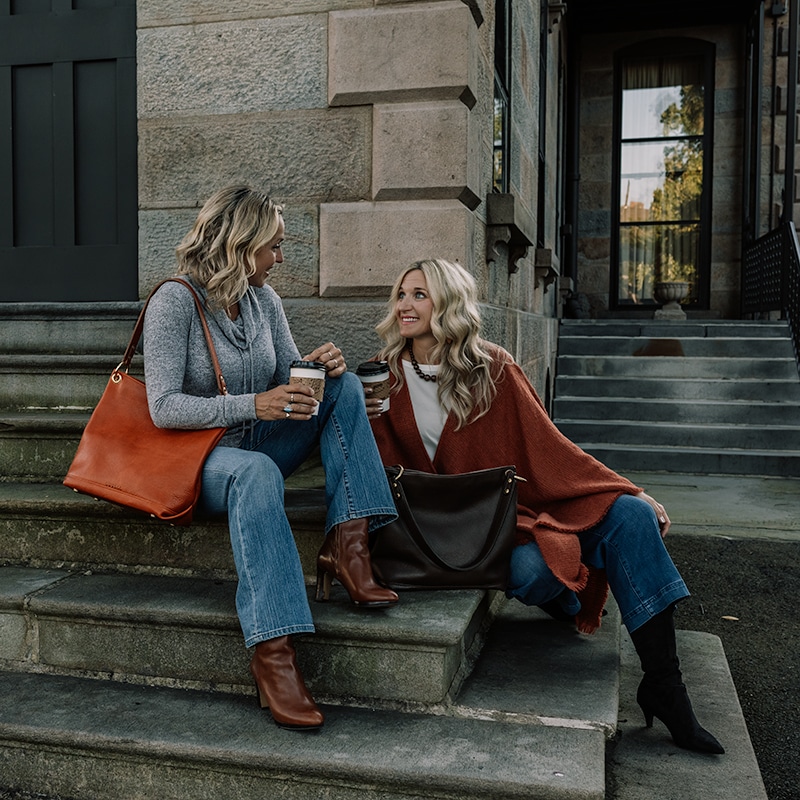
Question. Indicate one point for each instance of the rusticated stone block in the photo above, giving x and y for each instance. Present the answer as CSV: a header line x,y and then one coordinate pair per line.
x,y
155,13
423,150
363,246
402,54
304,154
232,67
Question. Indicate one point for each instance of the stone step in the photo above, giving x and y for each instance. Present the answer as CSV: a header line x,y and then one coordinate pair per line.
x,y
645,766
782,438
683,346
531,722
670,367
527,724
674,329
184,632
48,525
39,445
56,381
92,740
743,389
31,328
657,411
647,458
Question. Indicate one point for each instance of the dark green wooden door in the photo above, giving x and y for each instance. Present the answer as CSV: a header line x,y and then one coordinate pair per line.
x,y
68,199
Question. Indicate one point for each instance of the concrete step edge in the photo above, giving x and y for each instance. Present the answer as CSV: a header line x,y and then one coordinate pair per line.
x,y
625,459
103,741
668,448
680,401
184,632
617,424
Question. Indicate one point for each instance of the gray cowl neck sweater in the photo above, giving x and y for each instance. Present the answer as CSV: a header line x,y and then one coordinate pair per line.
x,y
254,352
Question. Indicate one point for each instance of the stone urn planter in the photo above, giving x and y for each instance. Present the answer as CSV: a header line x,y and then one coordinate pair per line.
x,y
669,294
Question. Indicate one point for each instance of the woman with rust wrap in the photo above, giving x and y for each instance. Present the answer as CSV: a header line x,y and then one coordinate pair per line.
x,y
460,403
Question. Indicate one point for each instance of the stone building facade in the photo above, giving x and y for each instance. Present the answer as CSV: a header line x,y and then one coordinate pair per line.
x,y
490,132
373,124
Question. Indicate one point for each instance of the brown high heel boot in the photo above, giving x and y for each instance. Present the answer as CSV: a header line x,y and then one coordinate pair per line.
x,y
281,688
345,556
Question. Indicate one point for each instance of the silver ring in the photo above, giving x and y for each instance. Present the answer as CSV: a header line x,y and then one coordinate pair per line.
x,y
287,414
291,398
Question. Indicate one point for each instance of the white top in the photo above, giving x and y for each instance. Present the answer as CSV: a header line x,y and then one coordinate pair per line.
x,y
428,412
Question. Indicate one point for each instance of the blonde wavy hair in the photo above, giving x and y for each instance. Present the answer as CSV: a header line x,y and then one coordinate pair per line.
x,y
219,251
465,383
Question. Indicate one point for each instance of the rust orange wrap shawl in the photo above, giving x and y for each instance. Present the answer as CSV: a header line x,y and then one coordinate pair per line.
x,y
566,489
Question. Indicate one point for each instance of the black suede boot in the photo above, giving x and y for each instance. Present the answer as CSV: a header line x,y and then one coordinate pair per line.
x,y
662,693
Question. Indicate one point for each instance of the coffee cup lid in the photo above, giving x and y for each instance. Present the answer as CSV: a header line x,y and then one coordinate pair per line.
x,y
372,368
307,365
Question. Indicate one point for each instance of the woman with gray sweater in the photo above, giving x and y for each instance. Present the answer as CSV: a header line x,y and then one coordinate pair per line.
x,y
271,429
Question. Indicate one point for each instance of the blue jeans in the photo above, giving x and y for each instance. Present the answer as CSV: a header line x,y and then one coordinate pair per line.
x,y
627,544
247,484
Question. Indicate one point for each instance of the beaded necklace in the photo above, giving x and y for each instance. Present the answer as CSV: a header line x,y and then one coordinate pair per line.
x,y
424,375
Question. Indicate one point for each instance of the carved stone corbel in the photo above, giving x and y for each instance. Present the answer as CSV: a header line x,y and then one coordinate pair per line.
x,y
507,222
546,267
555,10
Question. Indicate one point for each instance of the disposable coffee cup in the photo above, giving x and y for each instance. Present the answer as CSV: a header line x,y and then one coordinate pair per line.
x,y
310,373
375,375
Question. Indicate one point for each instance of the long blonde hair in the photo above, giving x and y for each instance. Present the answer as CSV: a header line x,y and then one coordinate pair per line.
x,y
465,384
219,251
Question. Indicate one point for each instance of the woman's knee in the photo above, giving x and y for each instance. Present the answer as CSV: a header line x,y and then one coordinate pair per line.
x,y
260,469
347,386
631,513
530,579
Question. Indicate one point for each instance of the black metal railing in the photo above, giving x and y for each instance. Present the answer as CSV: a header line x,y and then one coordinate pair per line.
x,y
771,278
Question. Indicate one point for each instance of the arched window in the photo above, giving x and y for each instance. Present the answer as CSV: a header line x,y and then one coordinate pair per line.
x,y
662,170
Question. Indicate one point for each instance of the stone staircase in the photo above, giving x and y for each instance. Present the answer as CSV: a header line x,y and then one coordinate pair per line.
x,y
714,397
122,668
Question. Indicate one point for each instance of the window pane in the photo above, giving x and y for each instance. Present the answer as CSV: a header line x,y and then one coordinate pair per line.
x,y
500,143
666,111
653,253
662,98
661,181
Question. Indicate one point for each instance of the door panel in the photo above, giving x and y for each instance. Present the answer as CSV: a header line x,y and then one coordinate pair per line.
x,y
68,195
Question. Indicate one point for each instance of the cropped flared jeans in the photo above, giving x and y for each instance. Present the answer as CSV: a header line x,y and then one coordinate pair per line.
x,y
247,484
627,544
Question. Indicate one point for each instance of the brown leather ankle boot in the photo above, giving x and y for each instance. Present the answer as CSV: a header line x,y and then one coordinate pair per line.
x,y
345,556
281,688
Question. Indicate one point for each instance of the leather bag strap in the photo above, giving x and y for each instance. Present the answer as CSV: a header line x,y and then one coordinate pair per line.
x,y
506,500
125,364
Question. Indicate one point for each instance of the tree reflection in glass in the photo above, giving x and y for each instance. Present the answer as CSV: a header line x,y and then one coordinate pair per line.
x,y
661,175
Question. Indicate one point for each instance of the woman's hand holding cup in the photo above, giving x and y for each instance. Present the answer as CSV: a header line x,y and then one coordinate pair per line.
x,y
374,404
292,401
331,356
